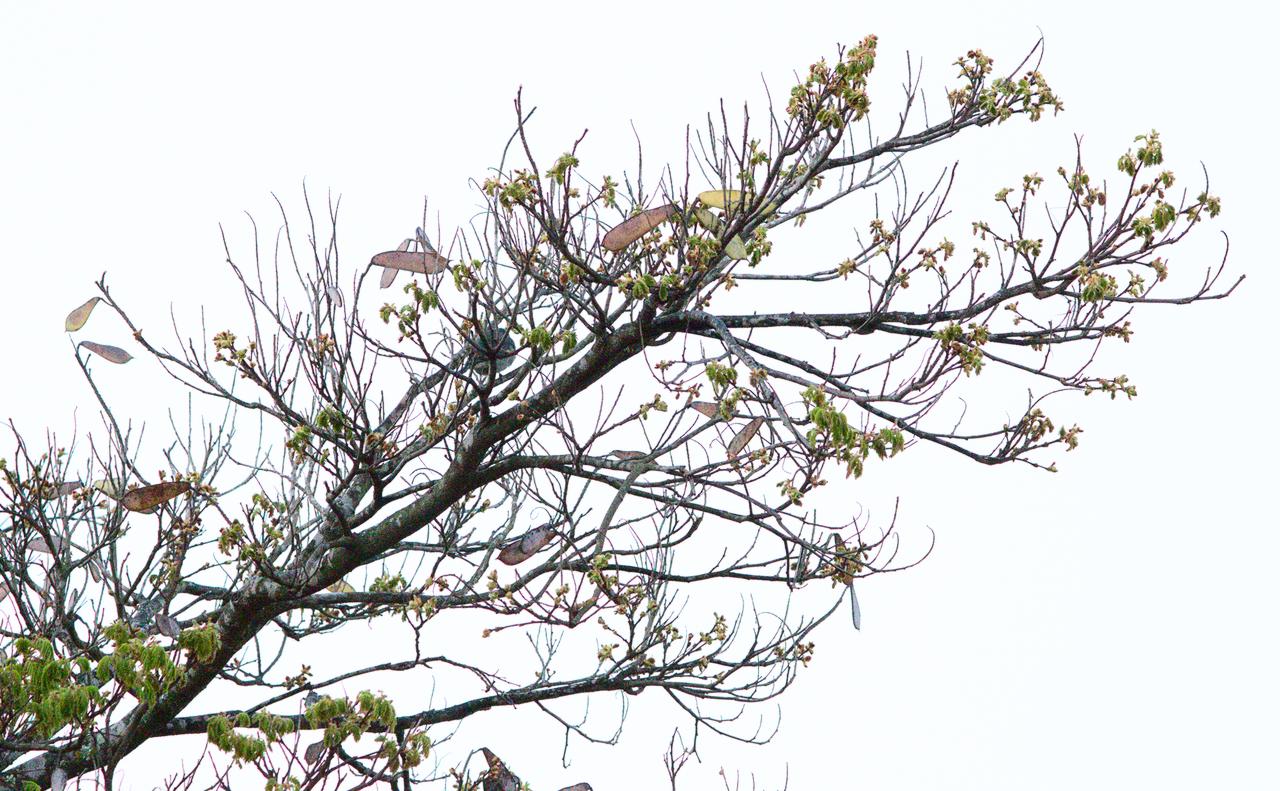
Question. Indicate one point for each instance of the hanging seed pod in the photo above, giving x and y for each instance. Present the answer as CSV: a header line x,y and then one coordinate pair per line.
x,y
77,318
633,228
112,354
744,436
148,497
526,546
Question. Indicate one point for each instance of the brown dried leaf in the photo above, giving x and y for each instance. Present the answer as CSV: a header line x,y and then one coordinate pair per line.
x,y
633,228
313,752
77,318
526,546
92,565
708,408
424,263
168,626
149,497
38,544
112,354
628,455
744,436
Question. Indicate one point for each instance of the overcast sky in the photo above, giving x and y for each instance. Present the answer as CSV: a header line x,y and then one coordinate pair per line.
x,y
1111,626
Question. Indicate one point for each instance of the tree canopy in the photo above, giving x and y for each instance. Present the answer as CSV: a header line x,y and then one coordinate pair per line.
x,y
570,451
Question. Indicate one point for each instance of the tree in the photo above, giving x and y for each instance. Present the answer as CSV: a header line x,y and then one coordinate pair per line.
x,y
596,418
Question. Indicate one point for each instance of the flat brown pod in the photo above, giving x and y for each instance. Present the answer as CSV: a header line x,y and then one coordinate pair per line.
x,y
633,228
707,408
149,497
112,354
424,263
578,787
92,565
744,436
526,546
628,455
168,626
61,490
77,318
313,752
388,277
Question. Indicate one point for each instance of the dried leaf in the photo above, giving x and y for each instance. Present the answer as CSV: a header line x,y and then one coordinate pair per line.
x,y
628,455
77,318
4,591
424,262
707,408
578,787
38,544
388,277
735,249
112,354
335,294
341,586
168,626
149,497
720,199
92,565
526,546
744,436
405,245
633,228
423,241
313,752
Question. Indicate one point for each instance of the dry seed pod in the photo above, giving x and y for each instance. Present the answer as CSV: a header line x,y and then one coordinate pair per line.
x,y
707,408
744,436
61,490
112,354
388,277
148,497
628,455
499,777
720,199
313,752
526,546
341,586
634,227
424,263
77,318
706,219
578,787
168,626
735,249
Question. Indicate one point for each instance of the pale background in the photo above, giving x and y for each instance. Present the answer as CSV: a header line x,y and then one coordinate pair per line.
x,y
1110,627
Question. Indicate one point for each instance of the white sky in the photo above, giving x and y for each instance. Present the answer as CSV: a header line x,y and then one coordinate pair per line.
x,y
1112,626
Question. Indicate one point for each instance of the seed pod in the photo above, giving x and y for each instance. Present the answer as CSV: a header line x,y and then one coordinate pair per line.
x,y
112,354
634,227
77,318
744,436
148,497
